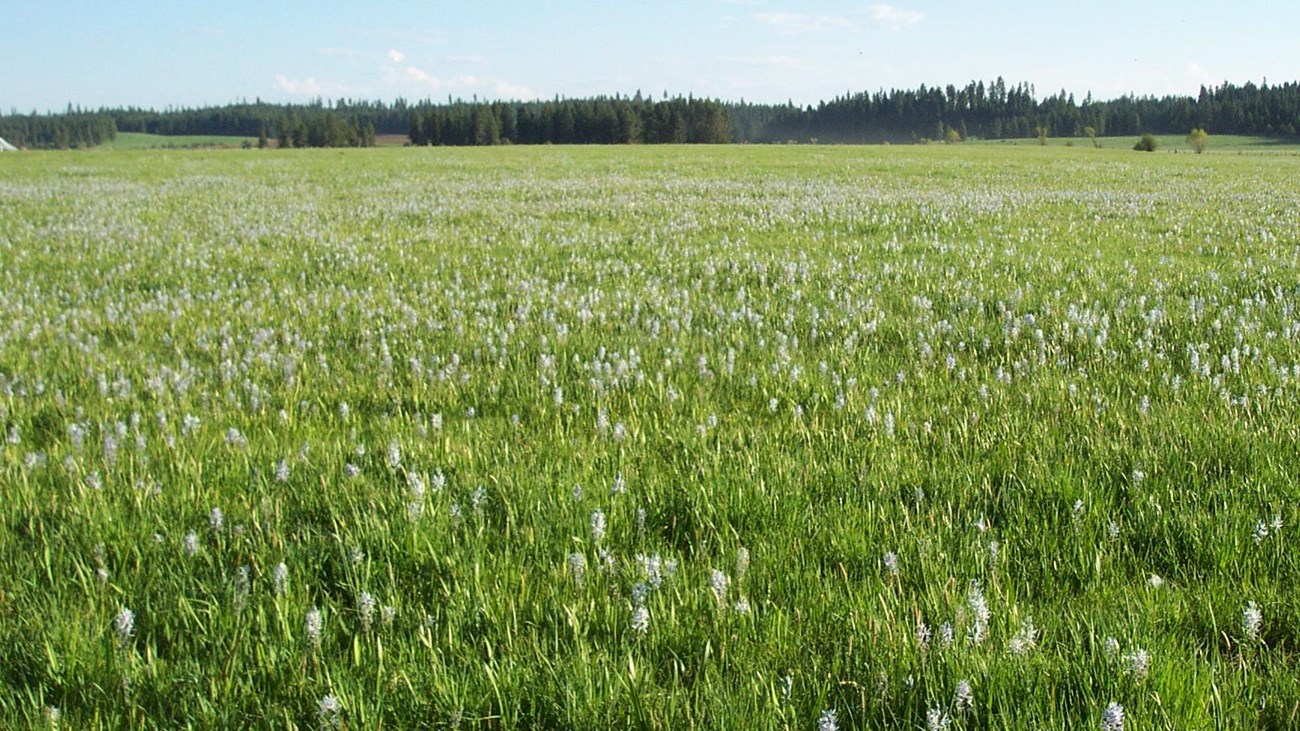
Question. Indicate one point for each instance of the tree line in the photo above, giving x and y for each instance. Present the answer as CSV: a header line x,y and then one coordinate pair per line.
x,y
999,111
72,129
598,121
994,110
329,129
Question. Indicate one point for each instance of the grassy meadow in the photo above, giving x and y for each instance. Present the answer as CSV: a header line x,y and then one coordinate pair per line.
x,y
967,437
146,141
1219,144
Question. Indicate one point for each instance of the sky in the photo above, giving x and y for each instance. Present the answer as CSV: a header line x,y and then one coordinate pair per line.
x,y
186,53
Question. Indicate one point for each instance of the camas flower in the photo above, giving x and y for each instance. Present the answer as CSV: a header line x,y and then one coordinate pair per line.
x,y
891,563
280,578
963,699
945,635
366,608
578,566
124,626
640,619
718,583
1251,621
328,710
936,719
1112,719
1025,639
312,627
980,610
1138,664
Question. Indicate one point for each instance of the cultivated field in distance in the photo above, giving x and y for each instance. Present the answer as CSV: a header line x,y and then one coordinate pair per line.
x,y
968,437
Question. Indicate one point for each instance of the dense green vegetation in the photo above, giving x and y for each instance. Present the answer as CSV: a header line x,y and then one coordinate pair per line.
x,y
962,437
977,111
598,121
1236,144
999,111
145,141
74,129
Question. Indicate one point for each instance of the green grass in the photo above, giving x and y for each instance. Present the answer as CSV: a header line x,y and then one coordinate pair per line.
x,y
1169,143
502,391
143,141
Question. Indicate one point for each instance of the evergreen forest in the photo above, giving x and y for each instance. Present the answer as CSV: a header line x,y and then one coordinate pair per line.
x,y
978,110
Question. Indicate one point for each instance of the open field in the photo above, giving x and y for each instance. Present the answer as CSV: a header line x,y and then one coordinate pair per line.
x,y
1170,143
145,141
967,437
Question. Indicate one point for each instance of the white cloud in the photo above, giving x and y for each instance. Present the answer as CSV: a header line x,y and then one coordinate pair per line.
x,y
1200,76
415,81
892,18
420,76
396,75
404,35
310,87
800,23
507,90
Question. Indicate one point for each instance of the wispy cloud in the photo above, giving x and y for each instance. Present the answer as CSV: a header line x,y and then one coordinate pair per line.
x,y
507,90
404,35
396,72
413,80
892,18
1201,76
801,23
311,87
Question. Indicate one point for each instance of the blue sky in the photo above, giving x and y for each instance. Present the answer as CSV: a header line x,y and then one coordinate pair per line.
x,y
196,52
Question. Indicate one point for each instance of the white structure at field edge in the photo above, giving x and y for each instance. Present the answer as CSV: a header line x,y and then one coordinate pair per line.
x,y
6,147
